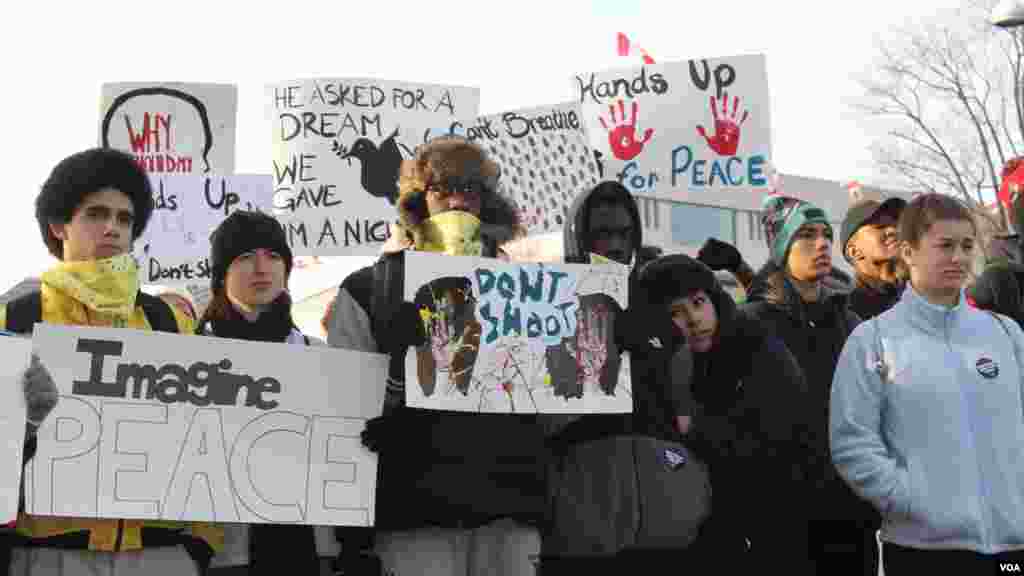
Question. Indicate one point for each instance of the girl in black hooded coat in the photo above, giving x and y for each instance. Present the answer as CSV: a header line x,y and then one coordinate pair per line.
x,y
745,384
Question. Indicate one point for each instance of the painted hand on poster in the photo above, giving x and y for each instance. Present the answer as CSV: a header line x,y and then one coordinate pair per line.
x,y
726,139
380,163
622,134
446,308
592,334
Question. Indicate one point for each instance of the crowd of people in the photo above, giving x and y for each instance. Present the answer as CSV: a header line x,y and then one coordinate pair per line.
x,y
784,434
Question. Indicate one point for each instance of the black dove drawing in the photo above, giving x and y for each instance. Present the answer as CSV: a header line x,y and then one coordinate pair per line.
x,y
380,164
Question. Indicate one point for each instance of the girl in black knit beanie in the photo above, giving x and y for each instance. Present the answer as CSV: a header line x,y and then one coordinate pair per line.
x,y
251,263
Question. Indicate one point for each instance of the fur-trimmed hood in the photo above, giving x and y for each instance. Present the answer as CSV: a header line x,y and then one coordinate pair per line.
x,y
452,162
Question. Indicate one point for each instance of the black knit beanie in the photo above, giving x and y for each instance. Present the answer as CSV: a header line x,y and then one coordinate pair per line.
x,y
676,276
241,232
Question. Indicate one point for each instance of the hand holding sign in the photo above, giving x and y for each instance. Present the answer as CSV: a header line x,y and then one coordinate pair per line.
x,y
622,134
727,131
40,392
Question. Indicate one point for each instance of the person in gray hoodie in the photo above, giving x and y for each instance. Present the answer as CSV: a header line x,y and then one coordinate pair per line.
x,y
926,410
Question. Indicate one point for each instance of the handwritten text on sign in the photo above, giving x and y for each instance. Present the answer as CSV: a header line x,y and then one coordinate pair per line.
x,y
338,145
545,159
696,131
507,337
172,128
175,247
161,426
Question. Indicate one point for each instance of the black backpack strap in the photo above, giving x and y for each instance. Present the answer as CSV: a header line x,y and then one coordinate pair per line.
x,y
24,311
158,313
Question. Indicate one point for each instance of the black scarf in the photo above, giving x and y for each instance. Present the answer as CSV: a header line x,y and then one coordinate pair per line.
x,y
273,325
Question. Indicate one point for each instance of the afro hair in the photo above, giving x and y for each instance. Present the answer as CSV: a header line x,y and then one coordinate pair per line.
x,y
82,174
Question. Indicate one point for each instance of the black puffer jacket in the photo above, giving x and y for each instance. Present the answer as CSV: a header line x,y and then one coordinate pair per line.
x,y
999,289
815,333
744,389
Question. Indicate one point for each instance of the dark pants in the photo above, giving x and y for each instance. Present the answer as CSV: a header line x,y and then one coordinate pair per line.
x,y
842,547
274,545
899,560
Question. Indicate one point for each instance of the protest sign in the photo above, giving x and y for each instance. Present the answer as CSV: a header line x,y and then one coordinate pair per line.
x,y
175,247
695,131
14,357
172,128
516,337
163,426
545,160
338,146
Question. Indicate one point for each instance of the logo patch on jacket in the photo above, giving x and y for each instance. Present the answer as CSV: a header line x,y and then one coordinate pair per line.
x,y
675,458
987,367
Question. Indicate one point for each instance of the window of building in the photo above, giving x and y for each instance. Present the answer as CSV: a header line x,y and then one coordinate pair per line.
x,y
692,224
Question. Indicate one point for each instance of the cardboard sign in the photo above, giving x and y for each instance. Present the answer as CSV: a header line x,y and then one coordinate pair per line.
x,y
14,352
162,426
172,128
516,338
338,145
175,247
695,131
545,160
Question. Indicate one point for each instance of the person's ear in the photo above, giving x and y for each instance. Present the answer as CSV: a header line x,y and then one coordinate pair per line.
x,y
853,252
907,254
58,229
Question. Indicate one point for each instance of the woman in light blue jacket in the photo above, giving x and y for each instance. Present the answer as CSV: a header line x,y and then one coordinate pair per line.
x,y
927,419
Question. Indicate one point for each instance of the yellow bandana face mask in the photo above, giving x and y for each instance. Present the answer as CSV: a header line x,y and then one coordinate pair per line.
x,y
108,285
455,233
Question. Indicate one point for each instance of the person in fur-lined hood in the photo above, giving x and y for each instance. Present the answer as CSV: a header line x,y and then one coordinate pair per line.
x,y
443,475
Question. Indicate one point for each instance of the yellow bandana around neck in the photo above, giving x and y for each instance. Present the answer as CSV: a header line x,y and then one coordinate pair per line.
x,y
455,233
598,259
108,285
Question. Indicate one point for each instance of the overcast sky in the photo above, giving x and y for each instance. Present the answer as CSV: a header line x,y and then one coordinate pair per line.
x,y
521,54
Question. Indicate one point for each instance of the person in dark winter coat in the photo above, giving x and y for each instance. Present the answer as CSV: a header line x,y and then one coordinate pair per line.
x,y
790,300
868,240
250,266
442,475
743,380
1000,288
623,487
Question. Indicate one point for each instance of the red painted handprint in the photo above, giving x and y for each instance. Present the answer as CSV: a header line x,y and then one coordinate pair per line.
x,y
622,134
727,131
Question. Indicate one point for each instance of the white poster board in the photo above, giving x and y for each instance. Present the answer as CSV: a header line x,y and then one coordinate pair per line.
x,y
161,426
337,148
508,337
695,131
175,247
545,160
14,358
172,127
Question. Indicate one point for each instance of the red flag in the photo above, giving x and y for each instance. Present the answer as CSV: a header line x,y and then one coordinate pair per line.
x,y
624,49
623,45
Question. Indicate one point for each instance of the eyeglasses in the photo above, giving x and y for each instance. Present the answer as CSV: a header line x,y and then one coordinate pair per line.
x,y
470,188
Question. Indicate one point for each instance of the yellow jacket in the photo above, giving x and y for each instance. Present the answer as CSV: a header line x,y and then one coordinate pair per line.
x,y
106,535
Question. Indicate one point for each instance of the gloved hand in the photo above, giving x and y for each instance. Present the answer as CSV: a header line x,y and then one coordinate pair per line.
x,y
401,429
719,255
40,392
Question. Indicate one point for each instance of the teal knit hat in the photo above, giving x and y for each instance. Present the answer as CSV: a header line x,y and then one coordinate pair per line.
x,y
781,217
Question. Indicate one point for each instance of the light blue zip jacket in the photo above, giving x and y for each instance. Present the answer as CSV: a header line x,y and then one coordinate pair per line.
x,y
927,423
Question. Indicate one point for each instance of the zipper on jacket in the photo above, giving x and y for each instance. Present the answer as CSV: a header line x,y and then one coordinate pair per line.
x,y
982,492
